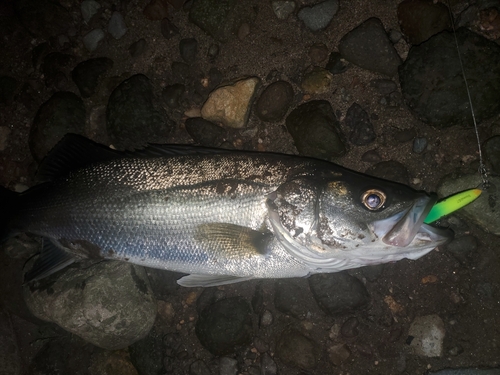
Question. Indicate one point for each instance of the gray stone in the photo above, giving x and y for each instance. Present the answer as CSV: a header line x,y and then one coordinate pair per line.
x,y
225,325
89,8
317,81
315,130
292,297
358,120
205,132
484,211
267,365
221,19
427,334
116,25
86,74
432,83
230,104
228,366
92,39
335,64
369,47
283,9
419,145
188,48
338,293
63,113
297,350
199,368
133,115
274,102
110,304
318,16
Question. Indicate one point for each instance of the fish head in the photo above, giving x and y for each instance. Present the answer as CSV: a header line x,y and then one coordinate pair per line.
x,y
351,220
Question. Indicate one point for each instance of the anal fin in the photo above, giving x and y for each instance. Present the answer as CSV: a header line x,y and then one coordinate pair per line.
x,y
51,259
196,280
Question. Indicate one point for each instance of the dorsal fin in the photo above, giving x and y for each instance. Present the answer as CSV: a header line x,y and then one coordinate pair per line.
x,y
71,153
75,151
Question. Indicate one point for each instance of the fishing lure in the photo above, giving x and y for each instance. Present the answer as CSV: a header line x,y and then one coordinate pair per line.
x,y
451,204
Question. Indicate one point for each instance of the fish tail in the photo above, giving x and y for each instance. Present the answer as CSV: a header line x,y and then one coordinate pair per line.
x,y
8,204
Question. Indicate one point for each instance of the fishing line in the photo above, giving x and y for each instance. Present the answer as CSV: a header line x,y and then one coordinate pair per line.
x,y
482,168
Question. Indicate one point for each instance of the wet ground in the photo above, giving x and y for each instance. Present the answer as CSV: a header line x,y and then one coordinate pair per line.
x,y
462,286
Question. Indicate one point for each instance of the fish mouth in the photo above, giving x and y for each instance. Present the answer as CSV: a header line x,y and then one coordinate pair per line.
x,y
402,229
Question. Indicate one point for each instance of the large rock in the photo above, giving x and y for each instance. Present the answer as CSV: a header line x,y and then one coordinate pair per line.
x,y
369,47
133,117
230,104
87,73
432,82
111,304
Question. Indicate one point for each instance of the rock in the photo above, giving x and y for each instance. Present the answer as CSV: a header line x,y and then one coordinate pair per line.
x,y
292,297
318,53
283,9
419,145
491,149
8,86
63,113
43,18
132,119
266,319
92,39
221,19
338,354
112,363
156,10
440,98
231,104
390,170
168,28
462,247
116,25
228,366
369,47
205,132
421,19
484,210
9,350
225,325
336,64
371,156
243,31
147,354
274,102
136,49
267,365
427,334
315,130
110,304
188,49
317,81
297,350
338,293
173,94
89,9
213,52
86,74
358,120
318,17
350,328
199,368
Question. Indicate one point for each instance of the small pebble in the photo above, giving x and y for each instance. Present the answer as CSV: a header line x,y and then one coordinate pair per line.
x,y
419,145
188,49
350,328
116,26
136,49
92,39
266,318
282,9
89,8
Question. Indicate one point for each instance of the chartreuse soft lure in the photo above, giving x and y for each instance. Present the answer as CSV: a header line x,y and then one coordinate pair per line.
x,y
451,204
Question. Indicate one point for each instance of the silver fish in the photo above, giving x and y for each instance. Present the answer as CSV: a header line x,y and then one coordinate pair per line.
x,y
221,217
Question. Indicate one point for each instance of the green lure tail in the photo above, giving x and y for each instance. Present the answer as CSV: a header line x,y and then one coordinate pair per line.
x,y
451,204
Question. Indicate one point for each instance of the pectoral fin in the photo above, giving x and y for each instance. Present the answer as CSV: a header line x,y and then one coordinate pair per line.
x,y
194,280
230,240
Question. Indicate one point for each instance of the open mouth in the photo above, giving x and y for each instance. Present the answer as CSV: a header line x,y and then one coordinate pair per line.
x,y
403,228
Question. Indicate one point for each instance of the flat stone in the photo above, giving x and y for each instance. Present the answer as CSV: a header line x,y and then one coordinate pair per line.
x,y
318,16
427,334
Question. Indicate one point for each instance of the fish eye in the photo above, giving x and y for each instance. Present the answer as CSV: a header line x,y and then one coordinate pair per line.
x,y
373,199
